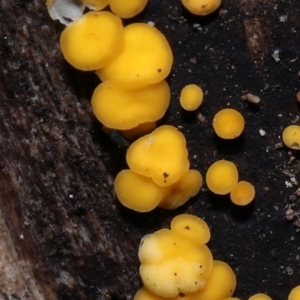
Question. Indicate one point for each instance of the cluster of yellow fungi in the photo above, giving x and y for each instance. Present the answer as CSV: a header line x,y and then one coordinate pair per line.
x,y
158,173
176,263
133,62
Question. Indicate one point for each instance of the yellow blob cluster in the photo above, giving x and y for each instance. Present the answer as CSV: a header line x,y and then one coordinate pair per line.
x,y
159,172
291,136
177,263
191,97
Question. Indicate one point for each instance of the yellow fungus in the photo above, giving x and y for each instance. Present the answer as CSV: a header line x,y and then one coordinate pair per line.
x,y
127,9
295,293
191,227
138,131
201,7
145,59
232,298
191,97
291,136
182,190
221,283
243,193
144,294
161,155
172,264
93,40
228,123
260,296
95,4
222,177
119,108
137,192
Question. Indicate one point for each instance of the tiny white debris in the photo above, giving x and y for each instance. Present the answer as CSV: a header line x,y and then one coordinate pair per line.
x,y
151,23
21,237
275,55
71,196
283,18
251,98
288,184
276,207
262,132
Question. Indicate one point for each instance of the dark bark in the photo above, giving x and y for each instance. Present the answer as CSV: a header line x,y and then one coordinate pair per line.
x,y
63,234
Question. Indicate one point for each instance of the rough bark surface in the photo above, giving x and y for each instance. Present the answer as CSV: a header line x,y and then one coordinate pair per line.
x,y
63,235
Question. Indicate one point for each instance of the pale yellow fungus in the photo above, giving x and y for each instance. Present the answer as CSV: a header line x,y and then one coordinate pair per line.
x,y
220,285
137,192
201,7
145,59
222,177
127,9
291,136
228,123
182,190
295,293
191,97
172,264
243,193
161,155
260,296
144,294
119,108
138,131
95,4
191,227
93,40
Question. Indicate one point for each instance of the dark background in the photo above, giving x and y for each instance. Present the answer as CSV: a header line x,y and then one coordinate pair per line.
x,y
63,234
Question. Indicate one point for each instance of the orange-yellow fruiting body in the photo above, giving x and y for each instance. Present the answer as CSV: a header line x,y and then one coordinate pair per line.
x,y
144,294
187,186
95,4
243,193
137,192
260,296
119,108
222,177
93,40
127,9
291,136
138,131
146,57
192,228
295,293
228,123
191,97
161,155
201,7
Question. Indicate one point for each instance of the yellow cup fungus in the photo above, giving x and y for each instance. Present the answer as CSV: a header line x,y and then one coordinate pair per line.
x,y
222,177
295,293
138,131
187,186
161,155
220,285
260,296
144,294
291,136
127,9
228,123
172,264
93,40
119,108
95,4
201,7
146,57
243,193
191,97
191,227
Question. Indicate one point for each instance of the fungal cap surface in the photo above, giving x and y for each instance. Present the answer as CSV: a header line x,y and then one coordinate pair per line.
x,y
187,186
145,58
138,131
291,136
144,294
228,123
243,193
295,293
260,296
93,40
222,177
161,155
137,192
171,264
201,7
192,228
127,9
119,108
191,97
